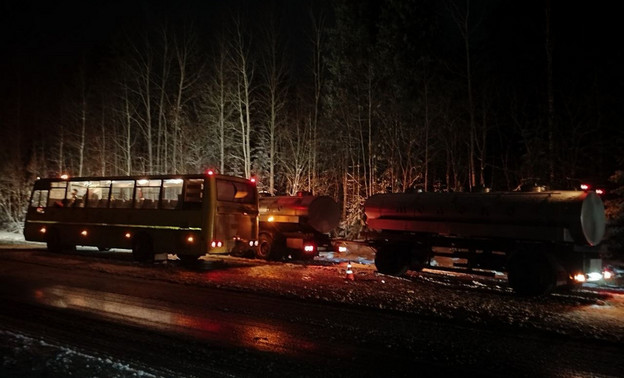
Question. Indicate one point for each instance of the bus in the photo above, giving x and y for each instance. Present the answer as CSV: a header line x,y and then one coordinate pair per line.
x,y
189,215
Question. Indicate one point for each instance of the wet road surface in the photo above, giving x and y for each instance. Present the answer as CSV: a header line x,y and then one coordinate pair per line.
x,y
168,327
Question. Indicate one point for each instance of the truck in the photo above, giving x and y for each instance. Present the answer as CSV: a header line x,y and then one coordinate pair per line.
x,y
541,240
296,226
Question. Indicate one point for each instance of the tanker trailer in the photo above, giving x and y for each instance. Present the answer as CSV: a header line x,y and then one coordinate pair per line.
x,y
295,225
541,240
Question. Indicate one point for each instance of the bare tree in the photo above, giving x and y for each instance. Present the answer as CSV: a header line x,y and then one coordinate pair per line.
x,y
139,67
274,71
187,78
294,158
463,21
244,75
318,70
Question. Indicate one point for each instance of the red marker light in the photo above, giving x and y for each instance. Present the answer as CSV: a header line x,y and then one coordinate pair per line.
x,y
600,192
584,187
253,179
209,172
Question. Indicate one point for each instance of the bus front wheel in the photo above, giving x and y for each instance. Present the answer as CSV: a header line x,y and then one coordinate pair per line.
x,y
142,248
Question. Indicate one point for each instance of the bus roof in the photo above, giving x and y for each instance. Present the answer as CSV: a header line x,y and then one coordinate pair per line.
x,y
47,180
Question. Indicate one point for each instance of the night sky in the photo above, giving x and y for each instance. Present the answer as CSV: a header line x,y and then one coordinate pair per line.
x,y
44,43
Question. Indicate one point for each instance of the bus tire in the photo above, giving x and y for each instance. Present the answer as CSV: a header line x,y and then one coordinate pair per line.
x,y
142,248
53,241
532,274
392,260
265,248
188,259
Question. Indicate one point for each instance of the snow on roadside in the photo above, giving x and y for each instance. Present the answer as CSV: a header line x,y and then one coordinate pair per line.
x,y
11,237
50,359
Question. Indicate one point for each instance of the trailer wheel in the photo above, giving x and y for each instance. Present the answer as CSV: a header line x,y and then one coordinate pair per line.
x,y
265,248
142,248
391,260
532,274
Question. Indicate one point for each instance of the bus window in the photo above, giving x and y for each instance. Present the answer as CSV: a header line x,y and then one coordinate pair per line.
x,y
147,194
171,193
57,194
233,191
121,193
76,194
194,190
97,193
193,193
39,198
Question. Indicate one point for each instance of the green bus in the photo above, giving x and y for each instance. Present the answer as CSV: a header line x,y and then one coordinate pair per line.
x,y
189,215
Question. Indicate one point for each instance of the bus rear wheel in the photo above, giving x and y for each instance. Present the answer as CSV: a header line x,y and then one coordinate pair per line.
x,y
142,248
188,259
53,241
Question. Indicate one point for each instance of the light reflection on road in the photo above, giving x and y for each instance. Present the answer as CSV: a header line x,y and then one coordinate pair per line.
x,y
220,326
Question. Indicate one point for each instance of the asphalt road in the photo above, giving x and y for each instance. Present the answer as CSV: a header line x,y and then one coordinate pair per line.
x,y
173,329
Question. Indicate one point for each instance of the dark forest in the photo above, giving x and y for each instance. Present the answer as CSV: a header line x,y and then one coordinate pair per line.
x,y
344,98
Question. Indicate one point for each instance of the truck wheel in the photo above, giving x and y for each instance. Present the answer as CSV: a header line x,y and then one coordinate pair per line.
x,y
531,274
142,248
265,247
391,260
420,257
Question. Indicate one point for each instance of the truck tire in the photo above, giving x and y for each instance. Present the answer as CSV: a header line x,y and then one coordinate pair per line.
x,y
531,273
392,260
266,247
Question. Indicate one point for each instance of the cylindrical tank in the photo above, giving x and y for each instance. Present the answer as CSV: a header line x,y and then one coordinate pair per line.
x,y
321,213
581,213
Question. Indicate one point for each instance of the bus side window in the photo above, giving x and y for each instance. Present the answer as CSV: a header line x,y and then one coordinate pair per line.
x,y
193,194
39,198
171,193
57,197
193,191
121,193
